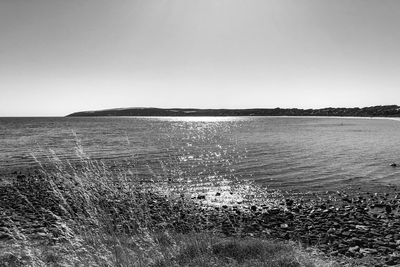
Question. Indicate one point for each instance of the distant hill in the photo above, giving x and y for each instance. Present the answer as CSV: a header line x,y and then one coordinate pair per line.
x,y
375,111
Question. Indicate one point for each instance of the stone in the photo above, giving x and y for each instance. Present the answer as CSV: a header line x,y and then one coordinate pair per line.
x,y
345,233
266,231
388,209
394,260
4,236
334,253
354,249
367,251
289,202
356,241
362,227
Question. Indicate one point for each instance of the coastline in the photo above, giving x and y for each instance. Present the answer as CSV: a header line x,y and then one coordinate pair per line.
x,y
374,111
353,223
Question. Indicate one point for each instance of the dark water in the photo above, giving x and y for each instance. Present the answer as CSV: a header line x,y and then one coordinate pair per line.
x,y
276,151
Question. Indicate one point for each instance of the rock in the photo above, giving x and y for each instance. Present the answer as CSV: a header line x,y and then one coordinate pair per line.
x,y
266,231
394,260
334,253
367,251
346,199
41,235
21,177
388,209
354,249
289,202
284,226
362,227
274,211
201,197
331,231
295,209
4,236
345,233
393,165
356,241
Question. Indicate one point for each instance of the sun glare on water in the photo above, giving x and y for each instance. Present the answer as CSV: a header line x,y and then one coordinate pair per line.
x,y
198,119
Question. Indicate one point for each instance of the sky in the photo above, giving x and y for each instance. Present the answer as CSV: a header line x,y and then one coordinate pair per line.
x,y
62,56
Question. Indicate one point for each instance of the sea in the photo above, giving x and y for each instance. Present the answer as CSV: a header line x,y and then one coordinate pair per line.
x,y
276,152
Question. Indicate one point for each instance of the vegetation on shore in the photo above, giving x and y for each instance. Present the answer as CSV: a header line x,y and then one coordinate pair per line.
x,y
91,215
375,111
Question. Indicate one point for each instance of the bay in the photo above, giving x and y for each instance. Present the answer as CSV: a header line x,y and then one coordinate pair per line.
x,y
279,152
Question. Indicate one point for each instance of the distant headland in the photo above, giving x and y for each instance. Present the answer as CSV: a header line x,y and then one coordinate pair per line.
x,y
375,111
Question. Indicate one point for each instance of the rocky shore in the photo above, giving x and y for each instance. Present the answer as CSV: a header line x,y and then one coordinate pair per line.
x,y
351,223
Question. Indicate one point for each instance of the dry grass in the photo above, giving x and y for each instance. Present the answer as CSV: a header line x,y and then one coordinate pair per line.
x,y
161,250
209,250
98,216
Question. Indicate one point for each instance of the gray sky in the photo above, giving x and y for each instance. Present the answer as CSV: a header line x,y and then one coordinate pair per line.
x,y
61,56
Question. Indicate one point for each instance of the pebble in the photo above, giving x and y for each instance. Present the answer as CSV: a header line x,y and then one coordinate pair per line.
x,y
356,225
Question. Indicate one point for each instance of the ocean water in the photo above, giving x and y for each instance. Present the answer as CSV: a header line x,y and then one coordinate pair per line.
x,y
279,152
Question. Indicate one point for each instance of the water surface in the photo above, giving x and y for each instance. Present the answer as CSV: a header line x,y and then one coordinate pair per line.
x,y
274,151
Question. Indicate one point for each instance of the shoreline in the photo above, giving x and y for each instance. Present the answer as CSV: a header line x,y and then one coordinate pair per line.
x,y
373,111
355,223
396,118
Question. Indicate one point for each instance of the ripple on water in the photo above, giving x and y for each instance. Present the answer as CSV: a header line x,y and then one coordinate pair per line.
x,y
273,151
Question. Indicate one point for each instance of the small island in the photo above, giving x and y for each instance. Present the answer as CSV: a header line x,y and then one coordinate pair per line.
x,y
374,111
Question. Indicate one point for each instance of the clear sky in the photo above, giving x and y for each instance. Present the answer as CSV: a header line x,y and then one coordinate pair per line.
x,y
62,56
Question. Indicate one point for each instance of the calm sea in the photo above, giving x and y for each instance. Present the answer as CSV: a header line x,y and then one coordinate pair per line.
x,y
275,151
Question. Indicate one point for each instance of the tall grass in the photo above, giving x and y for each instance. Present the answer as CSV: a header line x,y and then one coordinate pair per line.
x,y
94,215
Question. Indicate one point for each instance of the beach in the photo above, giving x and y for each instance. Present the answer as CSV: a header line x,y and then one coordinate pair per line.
x,y
353,224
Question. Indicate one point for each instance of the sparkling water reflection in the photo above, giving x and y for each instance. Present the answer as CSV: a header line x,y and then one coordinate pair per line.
x,y
275,151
